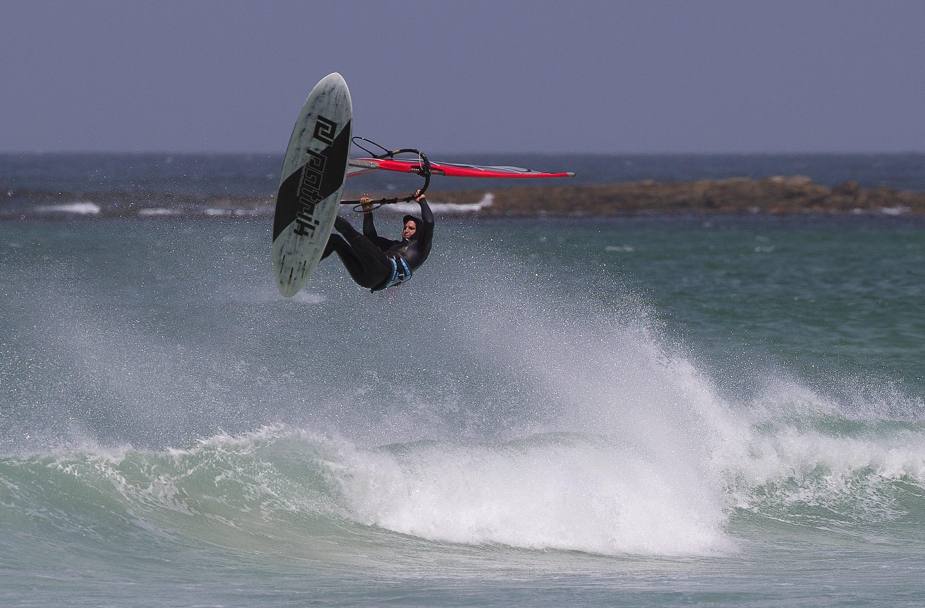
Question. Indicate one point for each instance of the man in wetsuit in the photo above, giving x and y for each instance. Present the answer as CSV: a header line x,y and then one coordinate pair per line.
x,y
375,262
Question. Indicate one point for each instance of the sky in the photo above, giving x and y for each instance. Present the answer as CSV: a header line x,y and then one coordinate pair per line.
x,y
582,76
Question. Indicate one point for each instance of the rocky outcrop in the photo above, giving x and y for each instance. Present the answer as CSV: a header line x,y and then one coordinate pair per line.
x,y
773,195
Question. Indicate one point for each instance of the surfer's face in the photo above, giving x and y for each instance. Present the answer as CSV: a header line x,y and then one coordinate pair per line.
x,y
410,229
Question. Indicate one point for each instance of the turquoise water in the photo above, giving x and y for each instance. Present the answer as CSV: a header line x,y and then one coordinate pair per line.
x,y
721,411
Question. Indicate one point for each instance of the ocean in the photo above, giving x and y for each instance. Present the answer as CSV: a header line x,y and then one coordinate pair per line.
x,y
647,411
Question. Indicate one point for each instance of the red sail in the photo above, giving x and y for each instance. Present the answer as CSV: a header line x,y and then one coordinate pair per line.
x,y
362,165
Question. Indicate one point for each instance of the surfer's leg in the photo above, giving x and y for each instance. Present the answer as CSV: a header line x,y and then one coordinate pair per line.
x,y
334,241
366,264
376,266
344,252
344,227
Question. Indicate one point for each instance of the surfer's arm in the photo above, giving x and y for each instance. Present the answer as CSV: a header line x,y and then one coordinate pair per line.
x,y
369,228
427,216
426,231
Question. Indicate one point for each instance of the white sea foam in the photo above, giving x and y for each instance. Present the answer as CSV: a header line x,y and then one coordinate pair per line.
x,y
77,208
793,453
446,208
271,295
158,212
225,212
567,495
306,297
652,485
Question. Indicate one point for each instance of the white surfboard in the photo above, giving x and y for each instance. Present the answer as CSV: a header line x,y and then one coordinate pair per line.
x,y
311,183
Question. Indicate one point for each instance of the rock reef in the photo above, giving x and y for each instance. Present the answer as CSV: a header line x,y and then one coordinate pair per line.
x,y
789,195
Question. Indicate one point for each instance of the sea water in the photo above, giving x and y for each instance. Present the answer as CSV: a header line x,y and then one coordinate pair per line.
x,y
641,412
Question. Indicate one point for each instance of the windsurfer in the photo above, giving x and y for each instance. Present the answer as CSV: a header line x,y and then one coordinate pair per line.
x,y
376,262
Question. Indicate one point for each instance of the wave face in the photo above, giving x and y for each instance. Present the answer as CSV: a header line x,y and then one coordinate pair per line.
x,y
540,492
282,489
167,417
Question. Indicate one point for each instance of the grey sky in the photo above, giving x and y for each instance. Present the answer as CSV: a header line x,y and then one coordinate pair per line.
x,y
467,75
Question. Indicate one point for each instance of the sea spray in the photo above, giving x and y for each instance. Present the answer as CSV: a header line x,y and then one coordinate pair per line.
x,y
562,492
536,410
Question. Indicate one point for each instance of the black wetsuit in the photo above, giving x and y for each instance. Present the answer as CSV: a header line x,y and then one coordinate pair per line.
x,y
372,260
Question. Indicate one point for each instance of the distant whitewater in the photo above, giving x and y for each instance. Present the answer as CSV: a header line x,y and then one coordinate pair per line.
x,y
71,186
243,208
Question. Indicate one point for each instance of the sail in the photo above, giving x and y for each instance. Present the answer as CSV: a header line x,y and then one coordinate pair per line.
x,y
357,166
